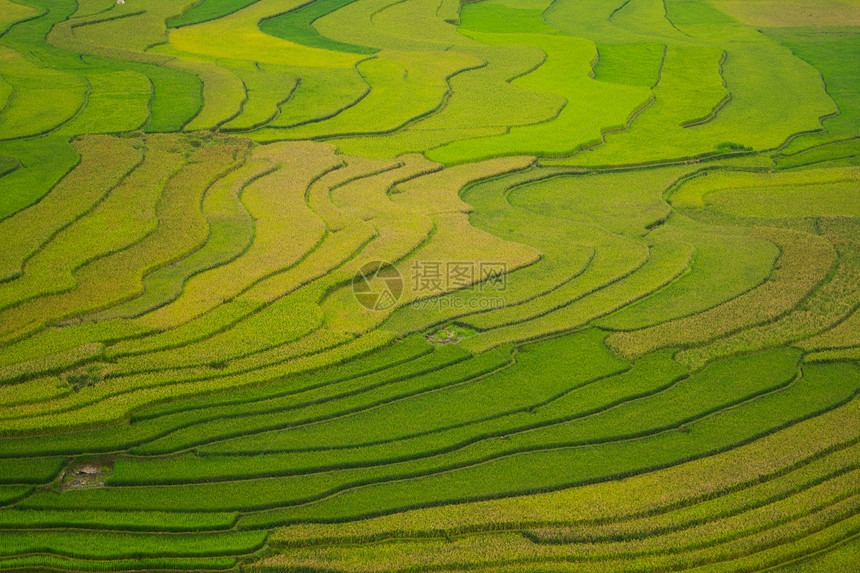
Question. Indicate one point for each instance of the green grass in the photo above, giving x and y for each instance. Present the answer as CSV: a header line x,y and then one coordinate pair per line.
x,y
99,545
624,203
539,471
104,162
146,18
599,20
222,96
389,25
564,256
633,64
176,95
842,556
369,372
829,50
833,200
755,103
135,564
749,119
805,261
8,165
563,218
690,87
44,161
114,520
767,542
693,192
30,35
231,232
689,545
179,93
237,36
300,447
566,73
50,269
752,262
613,258
117,101
667,378
484,98
128,394
659,263
29,470
583,347
55,342
175,100
31,391
833,301
183,229
12,13
321,94
787,497
267,89
324,403
762,471
500,18
686,13
449,11
710,391
645,18
397,355
41,100
820,154
206,10
12,493
130,214
285,320
297,26
402,87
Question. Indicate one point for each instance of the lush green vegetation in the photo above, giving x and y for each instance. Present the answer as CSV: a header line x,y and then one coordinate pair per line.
x,y
830,50
297,26
206,10
386,285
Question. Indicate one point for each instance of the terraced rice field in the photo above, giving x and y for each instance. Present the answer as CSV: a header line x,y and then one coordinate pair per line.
x,y
410,285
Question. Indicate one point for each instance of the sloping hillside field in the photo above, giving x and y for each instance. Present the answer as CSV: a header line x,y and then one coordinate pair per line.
x,y
430,285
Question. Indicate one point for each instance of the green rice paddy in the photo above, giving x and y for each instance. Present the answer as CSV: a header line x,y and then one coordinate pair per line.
x,y
410,285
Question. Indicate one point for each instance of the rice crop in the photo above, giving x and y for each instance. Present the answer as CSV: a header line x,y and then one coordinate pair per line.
x,y
413,285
